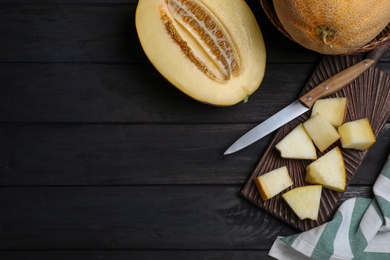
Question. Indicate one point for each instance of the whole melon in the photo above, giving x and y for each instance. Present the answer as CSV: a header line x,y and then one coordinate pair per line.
x,y
333,26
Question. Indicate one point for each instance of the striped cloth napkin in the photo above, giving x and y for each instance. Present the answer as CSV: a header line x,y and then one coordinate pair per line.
x,y
360,229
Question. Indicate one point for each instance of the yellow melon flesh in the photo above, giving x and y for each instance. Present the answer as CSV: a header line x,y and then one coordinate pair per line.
x,y
328,171
323,133
332,109
213,51
273,182
304,201
297,144
333,26
357,134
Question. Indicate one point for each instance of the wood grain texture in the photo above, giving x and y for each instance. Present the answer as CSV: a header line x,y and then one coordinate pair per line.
x,y
99,32
368,96
128,93
180,217
101,158
135,254
335,83
69,33
72,154
131,93
167,217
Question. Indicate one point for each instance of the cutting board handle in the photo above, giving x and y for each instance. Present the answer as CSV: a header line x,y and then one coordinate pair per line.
x,y
377,53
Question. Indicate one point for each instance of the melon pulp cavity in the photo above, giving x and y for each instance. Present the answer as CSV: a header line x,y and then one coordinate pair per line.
x,y
213,51
333,26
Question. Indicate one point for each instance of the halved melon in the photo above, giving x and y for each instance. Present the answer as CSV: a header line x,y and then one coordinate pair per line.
x,y
213,51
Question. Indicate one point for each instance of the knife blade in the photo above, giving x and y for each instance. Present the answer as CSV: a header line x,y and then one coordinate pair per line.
x,y
304,103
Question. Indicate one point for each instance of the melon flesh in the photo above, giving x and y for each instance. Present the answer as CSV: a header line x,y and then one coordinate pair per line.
x,y
297,144
323,133
213,51
332,109
357,134
273,182
304,201
328,171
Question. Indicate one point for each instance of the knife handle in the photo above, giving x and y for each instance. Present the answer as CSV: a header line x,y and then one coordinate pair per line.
x,y
336,82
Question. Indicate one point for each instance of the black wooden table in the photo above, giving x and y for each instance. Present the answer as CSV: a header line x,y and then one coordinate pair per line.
x,y
101,158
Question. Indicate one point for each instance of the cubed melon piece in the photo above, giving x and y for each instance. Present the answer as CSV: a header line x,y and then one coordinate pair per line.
x,y
357,134
323,133
297,144
332,109
328,171
304,201
272,183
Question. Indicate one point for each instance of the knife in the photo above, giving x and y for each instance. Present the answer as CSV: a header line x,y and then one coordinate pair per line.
x,y
304,103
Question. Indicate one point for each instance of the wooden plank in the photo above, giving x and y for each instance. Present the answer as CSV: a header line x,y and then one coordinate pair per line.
x,y
135,254
59,31
69,33
176,217
100,157
146,217
130,93
73,154
76,33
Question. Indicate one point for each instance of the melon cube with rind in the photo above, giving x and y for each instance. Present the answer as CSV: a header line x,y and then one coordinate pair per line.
x,y
273,182
357,134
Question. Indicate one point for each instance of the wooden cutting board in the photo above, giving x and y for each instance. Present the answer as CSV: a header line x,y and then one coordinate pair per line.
x,y
368,96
